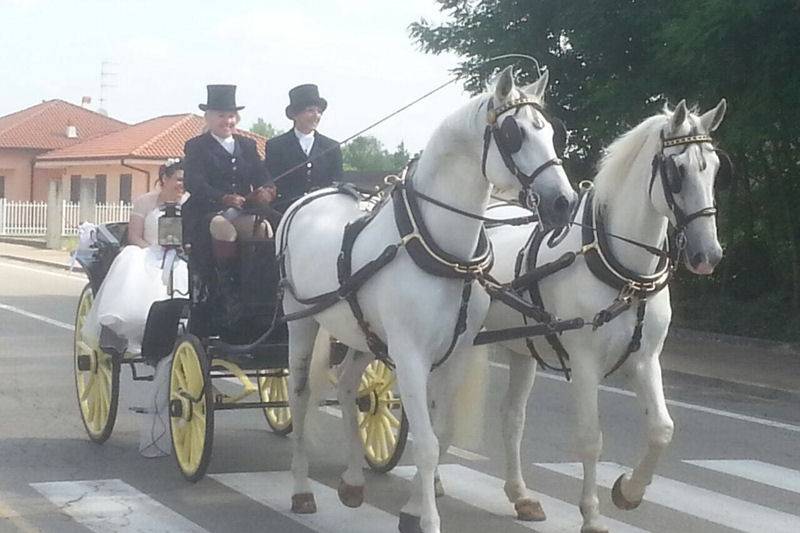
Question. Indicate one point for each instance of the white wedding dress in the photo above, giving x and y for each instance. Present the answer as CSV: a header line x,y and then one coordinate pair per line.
x,y
137,278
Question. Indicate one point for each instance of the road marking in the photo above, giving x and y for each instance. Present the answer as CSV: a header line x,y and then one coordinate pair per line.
x,y
8,513
765,473
41,318
452,450
486,493
78,276
702,503
675,403
274,489
113,506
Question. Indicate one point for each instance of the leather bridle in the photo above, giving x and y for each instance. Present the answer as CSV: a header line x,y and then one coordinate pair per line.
x,y
660,164
493,131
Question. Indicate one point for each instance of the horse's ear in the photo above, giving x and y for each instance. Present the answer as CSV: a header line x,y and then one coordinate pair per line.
x,y
505,83
537,88
679,115
712,118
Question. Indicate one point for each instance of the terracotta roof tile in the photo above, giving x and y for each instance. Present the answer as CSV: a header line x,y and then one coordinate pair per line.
x,y
158,138
44,126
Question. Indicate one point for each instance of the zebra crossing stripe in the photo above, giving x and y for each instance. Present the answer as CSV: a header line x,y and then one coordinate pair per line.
x,y
486,493
702,503
274,489
113,506
765,473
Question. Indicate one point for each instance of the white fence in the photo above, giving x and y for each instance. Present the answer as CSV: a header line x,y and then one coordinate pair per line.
x,y
29,219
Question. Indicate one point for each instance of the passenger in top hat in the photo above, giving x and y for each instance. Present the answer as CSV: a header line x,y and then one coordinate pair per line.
x,y
223,172
319,157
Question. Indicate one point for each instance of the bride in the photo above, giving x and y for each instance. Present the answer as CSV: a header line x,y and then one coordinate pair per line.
x,y
136,279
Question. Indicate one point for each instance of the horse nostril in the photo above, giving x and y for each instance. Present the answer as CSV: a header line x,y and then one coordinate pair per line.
x,y
698,259
561,204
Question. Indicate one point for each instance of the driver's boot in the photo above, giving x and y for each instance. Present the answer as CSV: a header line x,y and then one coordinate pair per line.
x,y
227,260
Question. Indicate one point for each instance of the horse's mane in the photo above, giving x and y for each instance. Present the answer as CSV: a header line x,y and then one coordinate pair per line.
x,y
616,164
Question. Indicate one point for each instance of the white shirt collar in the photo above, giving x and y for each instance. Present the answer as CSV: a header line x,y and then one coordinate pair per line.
x,y
306,140
229,143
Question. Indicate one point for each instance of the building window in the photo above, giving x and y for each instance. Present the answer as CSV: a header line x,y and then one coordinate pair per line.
x,y
75,189
100,188
2,186
125,188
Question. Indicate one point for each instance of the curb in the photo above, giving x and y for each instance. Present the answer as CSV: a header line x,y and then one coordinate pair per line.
x,y
686,334
24,241
75,268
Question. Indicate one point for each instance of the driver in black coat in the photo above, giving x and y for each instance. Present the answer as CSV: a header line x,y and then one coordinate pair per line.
x,y
315,158
224,174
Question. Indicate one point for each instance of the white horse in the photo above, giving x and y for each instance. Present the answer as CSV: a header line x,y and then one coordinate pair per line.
x,y
661,172
415,313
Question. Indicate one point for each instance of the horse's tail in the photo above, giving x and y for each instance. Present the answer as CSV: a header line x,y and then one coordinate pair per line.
x,y
469,398
317,381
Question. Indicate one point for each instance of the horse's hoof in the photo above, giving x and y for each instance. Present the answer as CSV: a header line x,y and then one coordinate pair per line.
x,y
619,499
438,488
409,523
351,495
529,510
304,503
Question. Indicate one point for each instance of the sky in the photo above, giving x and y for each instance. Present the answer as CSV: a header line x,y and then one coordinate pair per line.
x,y
163,53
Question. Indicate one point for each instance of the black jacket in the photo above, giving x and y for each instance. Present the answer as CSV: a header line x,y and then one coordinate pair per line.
x,y
320,168
211,172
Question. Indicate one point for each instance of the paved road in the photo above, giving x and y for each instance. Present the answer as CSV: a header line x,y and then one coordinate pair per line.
x,y
734,463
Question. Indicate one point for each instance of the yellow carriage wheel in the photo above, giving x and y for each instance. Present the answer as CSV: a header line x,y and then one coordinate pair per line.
x,y
381,420
273,386
191,408
96,378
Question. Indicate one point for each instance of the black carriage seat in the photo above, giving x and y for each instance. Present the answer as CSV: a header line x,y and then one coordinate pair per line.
x,y
109,240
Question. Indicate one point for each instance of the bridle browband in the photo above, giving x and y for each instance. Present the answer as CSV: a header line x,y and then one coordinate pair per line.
x,y
493,131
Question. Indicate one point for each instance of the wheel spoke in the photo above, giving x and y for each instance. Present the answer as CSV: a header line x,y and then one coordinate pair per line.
x,y
390,418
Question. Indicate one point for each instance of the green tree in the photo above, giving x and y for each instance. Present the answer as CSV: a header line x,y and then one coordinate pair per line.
x,y
614,62
265,129
367,154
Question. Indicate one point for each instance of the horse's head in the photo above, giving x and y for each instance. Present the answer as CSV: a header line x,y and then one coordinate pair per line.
x,y
688,166
518,149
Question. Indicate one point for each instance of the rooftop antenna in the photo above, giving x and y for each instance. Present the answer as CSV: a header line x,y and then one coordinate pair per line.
x,y
108,81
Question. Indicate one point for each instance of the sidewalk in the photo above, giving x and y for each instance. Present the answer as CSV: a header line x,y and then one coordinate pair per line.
x,y
34,254
736,359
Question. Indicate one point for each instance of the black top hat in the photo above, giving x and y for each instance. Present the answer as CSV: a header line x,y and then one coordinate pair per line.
x,y
303,96
221,98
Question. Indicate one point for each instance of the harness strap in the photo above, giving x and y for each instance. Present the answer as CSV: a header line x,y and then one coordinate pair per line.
x,y
461,323
536,298
636,339
607,268
424,251
349,283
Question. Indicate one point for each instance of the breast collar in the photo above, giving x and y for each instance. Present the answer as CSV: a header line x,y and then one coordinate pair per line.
x,y
424,251
607,268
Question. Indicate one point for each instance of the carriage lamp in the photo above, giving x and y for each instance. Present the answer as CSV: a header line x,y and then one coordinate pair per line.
x,y
170,227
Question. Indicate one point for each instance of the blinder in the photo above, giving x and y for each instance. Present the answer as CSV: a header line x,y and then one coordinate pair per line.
x,y
725,172
508,138
673,173
559,135
510,135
